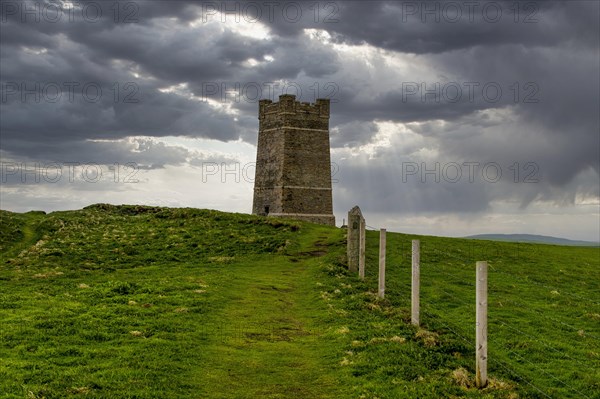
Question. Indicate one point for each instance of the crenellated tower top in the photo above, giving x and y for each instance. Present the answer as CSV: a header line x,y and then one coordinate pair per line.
x,y
288,105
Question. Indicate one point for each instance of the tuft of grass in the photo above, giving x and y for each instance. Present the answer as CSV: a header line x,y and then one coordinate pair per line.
x,y
462,378
428,338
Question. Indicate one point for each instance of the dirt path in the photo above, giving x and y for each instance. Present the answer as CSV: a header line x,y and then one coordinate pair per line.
x,y
270,344
30,237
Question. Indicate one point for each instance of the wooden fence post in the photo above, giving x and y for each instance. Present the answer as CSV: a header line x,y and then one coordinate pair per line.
x,y
381,292
416,273
481,298
362,248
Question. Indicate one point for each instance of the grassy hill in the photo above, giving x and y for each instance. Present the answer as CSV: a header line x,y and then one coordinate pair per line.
x,y
147,302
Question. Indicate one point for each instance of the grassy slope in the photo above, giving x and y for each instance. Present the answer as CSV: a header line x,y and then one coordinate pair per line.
x,y
153,302
544,307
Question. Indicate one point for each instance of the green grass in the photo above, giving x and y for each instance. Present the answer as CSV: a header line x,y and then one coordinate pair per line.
x,y
147,302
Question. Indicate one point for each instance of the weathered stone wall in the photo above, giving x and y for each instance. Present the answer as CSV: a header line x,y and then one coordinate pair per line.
x,y
293,168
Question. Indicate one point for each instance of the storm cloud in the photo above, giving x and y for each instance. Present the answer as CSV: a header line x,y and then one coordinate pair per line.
x,y
510,84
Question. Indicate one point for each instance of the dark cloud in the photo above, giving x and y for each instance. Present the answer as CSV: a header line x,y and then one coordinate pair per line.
x,y
436,27
352,134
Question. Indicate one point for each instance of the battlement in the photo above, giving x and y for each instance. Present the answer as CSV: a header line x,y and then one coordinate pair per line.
x,y
288,105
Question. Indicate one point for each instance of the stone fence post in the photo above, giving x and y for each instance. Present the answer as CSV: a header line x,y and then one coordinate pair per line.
x,y
356,241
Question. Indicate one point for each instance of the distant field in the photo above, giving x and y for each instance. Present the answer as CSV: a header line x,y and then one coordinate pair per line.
x,y
145,302
534,239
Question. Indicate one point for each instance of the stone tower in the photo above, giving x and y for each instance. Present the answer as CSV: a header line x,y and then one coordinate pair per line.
x,y
293,169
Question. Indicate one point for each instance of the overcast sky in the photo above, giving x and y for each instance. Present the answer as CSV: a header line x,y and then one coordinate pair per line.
x,y
448,118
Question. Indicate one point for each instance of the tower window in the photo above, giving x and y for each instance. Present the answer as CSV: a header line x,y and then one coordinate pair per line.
x,y
266,209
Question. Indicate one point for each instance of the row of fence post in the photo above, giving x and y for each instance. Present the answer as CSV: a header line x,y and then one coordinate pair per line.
x,y
480,297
